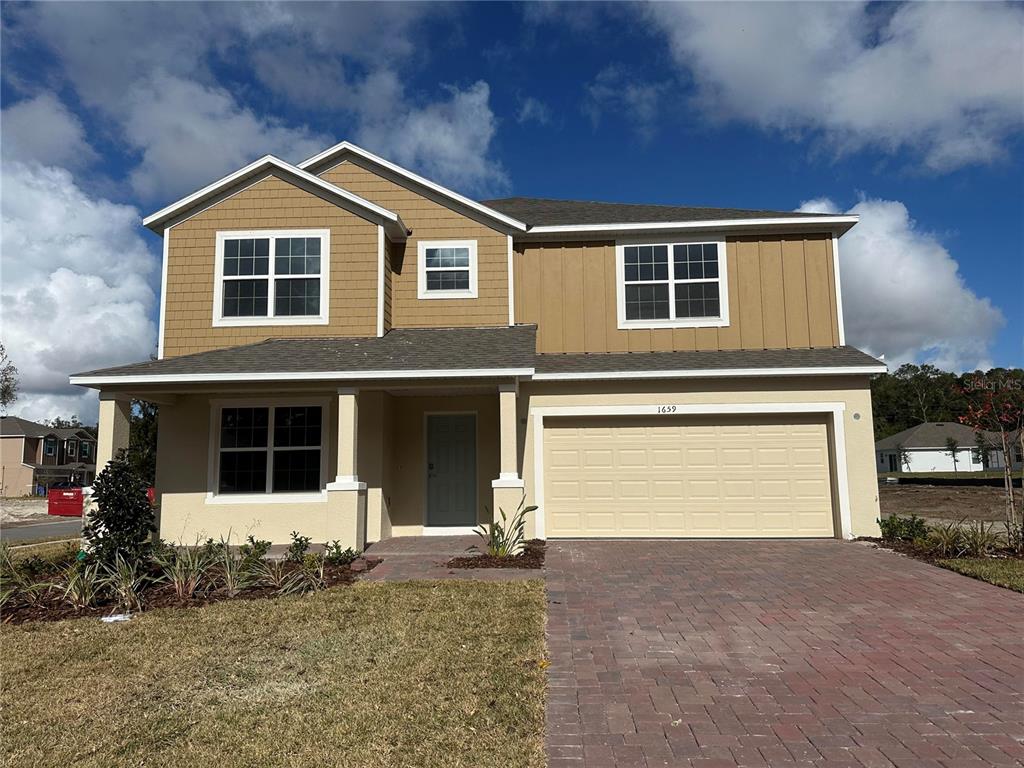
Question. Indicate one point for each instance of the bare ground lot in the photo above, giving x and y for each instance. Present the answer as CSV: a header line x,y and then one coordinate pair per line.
x,y
23,509
941,503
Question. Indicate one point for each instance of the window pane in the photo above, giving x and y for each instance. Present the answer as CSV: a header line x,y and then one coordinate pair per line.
x,y
295,298
243,427
297,427
448,280
647,302
243,472
695,262
296,470
297,256
646,262
447,257
247,256
245,298
697,300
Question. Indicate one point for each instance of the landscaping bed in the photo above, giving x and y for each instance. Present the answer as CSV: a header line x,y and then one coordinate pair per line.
x,y
532,556
378,674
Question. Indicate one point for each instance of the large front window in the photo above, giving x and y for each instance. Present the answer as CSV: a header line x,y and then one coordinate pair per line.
x,y
271,278
672,285
271,449
447,269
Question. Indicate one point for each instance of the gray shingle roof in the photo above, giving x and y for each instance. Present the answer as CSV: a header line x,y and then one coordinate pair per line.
x,y
14,425
406,349
541,212
933,434
640,362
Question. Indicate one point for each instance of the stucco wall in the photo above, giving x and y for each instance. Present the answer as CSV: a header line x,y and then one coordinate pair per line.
x,y
17,478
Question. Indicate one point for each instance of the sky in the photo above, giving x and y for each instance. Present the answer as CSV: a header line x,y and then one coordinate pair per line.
x,y
910,115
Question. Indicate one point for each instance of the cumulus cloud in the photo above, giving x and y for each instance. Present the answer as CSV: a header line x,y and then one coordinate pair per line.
x,y
42,130
942,79
903,295
615,91
77,287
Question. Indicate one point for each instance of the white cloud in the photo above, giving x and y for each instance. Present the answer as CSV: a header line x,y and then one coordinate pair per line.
x,y
446,140
77,288
533,110
190,135
943,79
42,130
903,295
639,102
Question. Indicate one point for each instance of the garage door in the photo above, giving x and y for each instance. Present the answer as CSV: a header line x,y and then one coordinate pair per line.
x,y
687,476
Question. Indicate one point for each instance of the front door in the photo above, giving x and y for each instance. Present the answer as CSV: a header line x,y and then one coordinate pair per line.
x,y
451,469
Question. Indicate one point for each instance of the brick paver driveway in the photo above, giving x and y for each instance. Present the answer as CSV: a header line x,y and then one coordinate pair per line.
x,y
778,653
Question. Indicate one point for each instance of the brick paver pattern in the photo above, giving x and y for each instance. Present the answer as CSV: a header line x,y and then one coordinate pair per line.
x,y
785,653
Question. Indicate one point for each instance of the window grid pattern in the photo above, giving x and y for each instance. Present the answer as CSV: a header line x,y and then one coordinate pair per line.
x,y
691,292
447,269
257,286
270,449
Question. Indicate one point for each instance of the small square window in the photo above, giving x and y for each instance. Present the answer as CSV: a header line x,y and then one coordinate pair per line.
x,y
447,269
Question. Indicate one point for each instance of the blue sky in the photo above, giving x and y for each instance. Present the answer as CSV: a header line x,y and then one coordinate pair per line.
x,y
112,110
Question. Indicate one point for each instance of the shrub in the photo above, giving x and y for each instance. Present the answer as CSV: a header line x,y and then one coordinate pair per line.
x,y
335,555
895,528
186,569
254,549
298,548
123,521
311,574
126,579
979,539
505,538
946,540
80,585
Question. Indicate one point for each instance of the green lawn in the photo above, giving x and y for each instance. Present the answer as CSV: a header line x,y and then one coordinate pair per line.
x,y
403,674
1007,573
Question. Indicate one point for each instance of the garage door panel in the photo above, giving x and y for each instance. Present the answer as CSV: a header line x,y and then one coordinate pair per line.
x,y
677,476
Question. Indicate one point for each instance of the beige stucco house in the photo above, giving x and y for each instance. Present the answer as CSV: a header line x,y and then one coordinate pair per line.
x,y
352,351
35,456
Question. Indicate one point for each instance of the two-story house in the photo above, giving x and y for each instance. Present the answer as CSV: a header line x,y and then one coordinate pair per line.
x,y
352,351
35,456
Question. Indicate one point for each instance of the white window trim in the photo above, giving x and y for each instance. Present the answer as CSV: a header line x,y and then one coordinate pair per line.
x,y
697,322
421,269
268,497
219,321
47,442
72,448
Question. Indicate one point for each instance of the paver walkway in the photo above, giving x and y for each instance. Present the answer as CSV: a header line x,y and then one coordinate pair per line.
x,y
425,557
785,653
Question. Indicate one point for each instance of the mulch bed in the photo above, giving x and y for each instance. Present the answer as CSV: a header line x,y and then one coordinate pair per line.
x,y
50,608
532,556
907,548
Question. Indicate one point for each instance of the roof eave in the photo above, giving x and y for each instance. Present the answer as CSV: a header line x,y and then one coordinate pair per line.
x,y
837,225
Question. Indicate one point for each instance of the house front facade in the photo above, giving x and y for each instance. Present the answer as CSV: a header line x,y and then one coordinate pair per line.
x,y
944,447
351,351
35,456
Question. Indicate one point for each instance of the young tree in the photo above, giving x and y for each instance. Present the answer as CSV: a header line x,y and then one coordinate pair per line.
x,y
952,446
123,521
904,457
8,380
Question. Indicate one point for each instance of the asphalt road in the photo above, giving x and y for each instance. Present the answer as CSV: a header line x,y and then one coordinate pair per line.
x,y
66,527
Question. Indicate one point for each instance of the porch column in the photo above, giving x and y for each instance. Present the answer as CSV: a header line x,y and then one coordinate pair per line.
x,y
114,427
508,488
346,496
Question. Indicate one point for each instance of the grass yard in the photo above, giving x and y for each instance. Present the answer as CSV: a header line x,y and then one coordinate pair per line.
x,y
1007,573
388,674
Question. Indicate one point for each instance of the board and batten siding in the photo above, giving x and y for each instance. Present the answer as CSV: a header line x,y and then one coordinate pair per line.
x,y
430,220
272,204
781,294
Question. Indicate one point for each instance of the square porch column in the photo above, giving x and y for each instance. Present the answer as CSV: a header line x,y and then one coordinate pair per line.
x,y
114,427
346,495
508,487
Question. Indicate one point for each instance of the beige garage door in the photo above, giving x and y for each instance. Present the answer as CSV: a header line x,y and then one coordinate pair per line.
x,y
687,476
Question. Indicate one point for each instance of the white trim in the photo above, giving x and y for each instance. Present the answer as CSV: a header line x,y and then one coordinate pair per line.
x,y
449,530
667,226
839,290
836,410
196,378
380,280
511,283
421,269
163,293
721,321
213,456
346,483
512,481
219,278
712,373
332,153
267,162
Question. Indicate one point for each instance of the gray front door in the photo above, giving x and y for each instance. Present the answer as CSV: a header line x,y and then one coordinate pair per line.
x,y
451,469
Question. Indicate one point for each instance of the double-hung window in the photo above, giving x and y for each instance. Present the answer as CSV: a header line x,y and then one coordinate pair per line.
x,y
672,285
447,269
72,447
270,449
50,446
86,450
271,278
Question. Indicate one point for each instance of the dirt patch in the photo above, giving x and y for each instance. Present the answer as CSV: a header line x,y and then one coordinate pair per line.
x,y
22,510
942,503
532,556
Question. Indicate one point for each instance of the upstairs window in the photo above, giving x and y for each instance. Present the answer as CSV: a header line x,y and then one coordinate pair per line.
x,y
50,446
72,447
86,451
271,278
672,285
447,269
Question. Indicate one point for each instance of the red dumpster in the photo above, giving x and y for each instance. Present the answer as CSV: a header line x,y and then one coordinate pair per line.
x,y
66,502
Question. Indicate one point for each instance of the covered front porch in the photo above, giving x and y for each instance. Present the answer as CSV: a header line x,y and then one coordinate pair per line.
x,y
358,463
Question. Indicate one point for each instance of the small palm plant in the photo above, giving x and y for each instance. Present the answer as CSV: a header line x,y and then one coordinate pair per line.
x,y
80,585
505,538
126,578
185,569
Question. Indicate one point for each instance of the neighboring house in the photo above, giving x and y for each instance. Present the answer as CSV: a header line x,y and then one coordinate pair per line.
x,y
925,448
352,351
37,456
